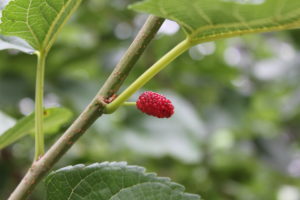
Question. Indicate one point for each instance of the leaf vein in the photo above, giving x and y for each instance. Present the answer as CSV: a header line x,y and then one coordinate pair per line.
x,y
202,14
29,26
52,7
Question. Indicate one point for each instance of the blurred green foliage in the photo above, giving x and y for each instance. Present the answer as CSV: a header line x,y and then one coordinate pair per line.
x,y
235,133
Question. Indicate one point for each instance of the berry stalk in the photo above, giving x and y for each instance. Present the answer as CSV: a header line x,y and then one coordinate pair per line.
x,y
129,104
148,75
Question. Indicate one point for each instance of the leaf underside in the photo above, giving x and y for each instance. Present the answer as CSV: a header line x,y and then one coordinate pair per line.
x,y
36,21
3,3
207,20
112,181
54,118
11,42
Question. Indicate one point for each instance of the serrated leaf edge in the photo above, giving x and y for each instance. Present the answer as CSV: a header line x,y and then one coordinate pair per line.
x,y
123,165
191,32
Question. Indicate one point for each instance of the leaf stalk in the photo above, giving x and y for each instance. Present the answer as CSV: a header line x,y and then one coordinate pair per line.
x,y
39,108
129,104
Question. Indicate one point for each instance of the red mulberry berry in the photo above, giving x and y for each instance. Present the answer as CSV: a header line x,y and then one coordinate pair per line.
x,y
155,104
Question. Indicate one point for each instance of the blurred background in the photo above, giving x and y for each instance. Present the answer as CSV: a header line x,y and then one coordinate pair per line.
x,y
235,131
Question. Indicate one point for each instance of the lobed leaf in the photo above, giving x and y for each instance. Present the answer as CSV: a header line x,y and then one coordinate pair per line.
x,y
207,20
112,181
36,21
54,118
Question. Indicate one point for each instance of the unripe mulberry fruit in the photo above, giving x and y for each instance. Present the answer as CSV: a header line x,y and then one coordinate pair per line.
x,y
155,104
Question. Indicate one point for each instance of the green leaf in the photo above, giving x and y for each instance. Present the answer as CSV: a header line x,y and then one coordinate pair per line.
x,y
207,20
36,21
54,118
10,42
112,181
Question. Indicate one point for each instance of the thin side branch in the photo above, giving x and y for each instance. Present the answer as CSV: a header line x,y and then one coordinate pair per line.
x,y
92,112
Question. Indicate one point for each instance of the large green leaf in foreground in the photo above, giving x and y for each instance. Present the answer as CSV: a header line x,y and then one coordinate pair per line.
x,y
207,20
54,118
112,181
36,21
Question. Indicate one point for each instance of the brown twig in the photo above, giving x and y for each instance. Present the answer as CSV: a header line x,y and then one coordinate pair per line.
x,y
92,112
